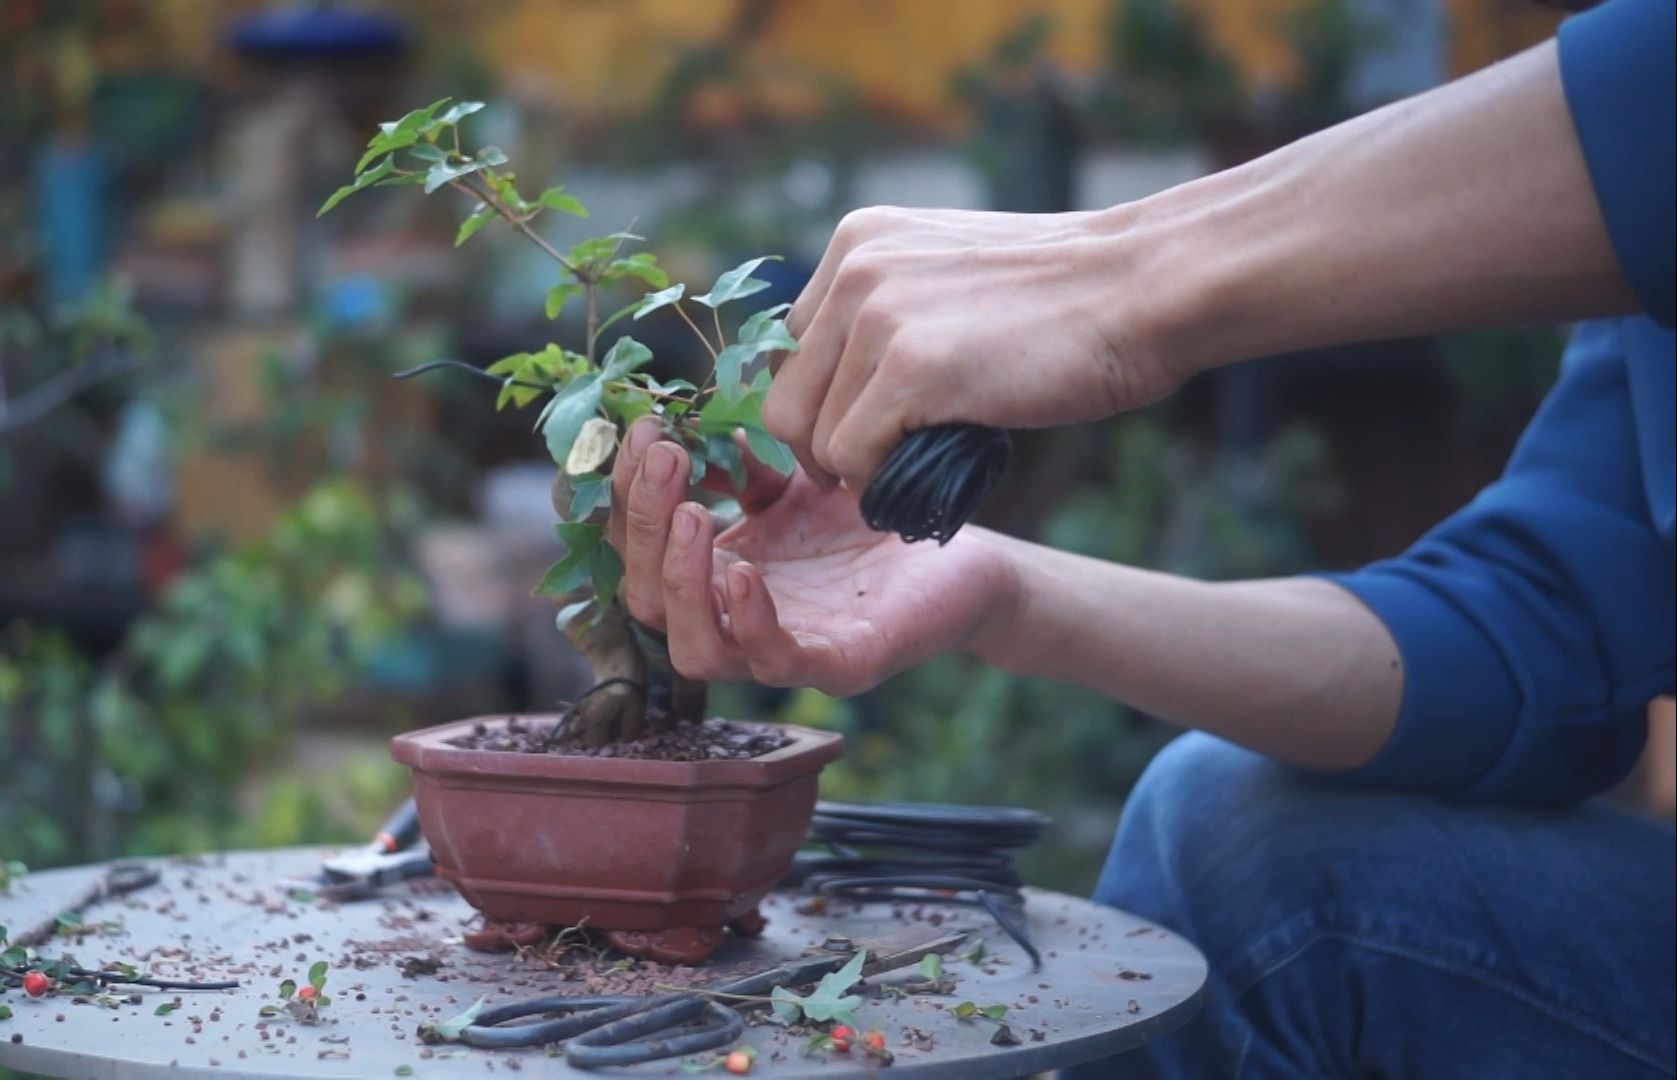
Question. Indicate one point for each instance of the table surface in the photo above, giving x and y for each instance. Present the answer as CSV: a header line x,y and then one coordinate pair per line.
x,y
1110,982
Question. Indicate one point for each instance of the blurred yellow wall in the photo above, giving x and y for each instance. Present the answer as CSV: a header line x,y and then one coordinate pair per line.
x,y
605,56
899,55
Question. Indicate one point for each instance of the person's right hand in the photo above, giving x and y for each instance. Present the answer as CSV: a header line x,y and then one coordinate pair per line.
x,y
922,317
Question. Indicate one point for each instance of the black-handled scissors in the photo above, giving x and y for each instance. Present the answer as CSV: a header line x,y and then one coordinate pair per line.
x,y
606,1031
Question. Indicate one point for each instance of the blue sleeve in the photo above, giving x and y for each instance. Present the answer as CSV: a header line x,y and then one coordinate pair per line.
x,y
1536,624
1617,71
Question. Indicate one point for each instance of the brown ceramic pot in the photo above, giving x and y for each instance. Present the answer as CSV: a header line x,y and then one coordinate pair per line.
x,y
613,843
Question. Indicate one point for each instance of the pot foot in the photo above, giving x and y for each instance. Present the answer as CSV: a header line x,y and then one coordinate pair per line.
x,y
502,935
749,925
677,945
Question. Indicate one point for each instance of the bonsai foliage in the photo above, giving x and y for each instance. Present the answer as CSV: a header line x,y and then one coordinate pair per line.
x,y
592,389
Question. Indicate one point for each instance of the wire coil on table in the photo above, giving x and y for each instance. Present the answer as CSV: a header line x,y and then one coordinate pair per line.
x,y
922,853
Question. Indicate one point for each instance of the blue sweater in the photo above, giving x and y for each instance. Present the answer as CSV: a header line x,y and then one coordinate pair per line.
x,y
1536,624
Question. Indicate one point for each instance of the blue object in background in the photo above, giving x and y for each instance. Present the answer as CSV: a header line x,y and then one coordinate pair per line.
x,y
300,30
72,197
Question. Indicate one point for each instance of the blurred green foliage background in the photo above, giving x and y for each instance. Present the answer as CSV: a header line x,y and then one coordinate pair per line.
x,y
235,558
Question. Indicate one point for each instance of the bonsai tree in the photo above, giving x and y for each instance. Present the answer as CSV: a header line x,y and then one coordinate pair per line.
x,y
591,392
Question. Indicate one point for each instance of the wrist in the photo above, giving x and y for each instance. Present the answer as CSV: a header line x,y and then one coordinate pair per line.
x,y
995,638
1200,268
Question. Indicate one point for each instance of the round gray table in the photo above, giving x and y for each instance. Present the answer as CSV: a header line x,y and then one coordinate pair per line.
x,y
1109,982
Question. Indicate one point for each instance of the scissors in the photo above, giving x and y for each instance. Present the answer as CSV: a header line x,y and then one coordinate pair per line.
x,y
606,1031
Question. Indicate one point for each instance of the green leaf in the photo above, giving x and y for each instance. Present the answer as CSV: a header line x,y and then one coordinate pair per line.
x,y
994,1012
730,365
361,183
445,172
736,284
404,1070
565,414
931,966
828,1001
554,198
767,329
588,493
786,1005
317,975
977,953
626,355
966,1010
724,453
459,112
5,1012
413,122
168,1007
557,296
642,265
770,451
468,228
287,988
605,570
565,576
451,1029
663,298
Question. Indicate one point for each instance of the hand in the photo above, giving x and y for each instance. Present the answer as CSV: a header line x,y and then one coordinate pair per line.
x,y
799,592
919,317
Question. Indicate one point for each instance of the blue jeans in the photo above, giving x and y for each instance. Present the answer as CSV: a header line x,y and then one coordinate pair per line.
x,y
1354,933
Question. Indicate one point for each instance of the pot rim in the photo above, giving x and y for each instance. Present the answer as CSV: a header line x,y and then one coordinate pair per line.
x,y
427,750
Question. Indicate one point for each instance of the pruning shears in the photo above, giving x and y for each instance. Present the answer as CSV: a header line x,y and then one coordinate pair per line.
x,y
605,1031
396,854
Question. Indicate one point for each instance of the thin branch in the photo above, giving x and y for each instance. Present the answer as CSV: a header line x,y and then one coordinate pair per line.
x,y
38,401
716,317
688,319
463,366
489,199
592,289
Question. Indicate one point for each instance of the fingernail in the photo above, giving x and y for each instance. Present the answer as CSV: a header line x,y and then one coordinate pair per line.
x,y
686,524
739,582
660,464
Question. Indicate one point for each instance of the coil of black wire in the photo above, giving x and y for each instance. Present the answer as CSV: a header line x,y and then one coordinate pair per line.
x,y
922,853
934,480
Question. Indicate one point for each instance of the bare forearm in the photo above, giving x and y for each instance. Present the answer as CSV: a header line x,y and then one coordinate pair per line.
x,y
1466,206
1294,668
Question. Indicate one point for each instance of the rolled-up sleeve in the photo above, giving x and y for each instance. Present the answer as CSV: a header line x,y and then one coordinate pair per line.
x,y
1617,72
1536,624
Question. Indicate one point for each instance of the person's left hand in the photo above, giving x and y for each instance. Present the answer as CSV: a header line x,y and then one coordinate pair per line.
x,y
800,592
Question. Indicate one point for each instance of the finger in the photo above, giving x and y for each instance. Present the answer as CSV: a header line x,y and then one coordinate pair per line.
x,y
776,656
869,339
641,434
865,436
657,490
794,399
763,485
772,653
853,229
691,613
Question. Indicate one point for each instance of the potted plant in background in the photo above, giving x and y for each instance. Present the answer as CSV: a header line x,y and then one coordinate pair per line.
x,y
631,811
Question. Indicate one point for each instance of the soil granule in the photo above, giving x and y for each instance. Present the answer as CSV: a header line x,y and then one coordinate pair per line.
x,y
715,739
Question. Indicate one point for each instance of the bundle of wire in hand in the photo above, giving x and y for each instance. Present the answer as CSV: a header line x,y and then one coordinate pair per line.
x,y
934,480
922,853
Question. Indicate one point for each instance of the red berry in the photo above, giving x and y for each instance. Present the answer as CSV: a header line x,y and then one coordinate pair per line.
x,y
843,1036
874,1042
307,993
738,1063
36,984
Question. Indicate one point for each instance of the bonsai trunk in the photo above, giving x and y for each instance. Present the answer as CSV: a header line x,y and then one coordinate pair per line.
x,y
615,709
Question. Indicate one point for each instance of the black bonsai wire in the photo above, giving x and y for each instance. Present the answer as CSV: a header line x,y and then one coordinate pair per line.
x,y
934,480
